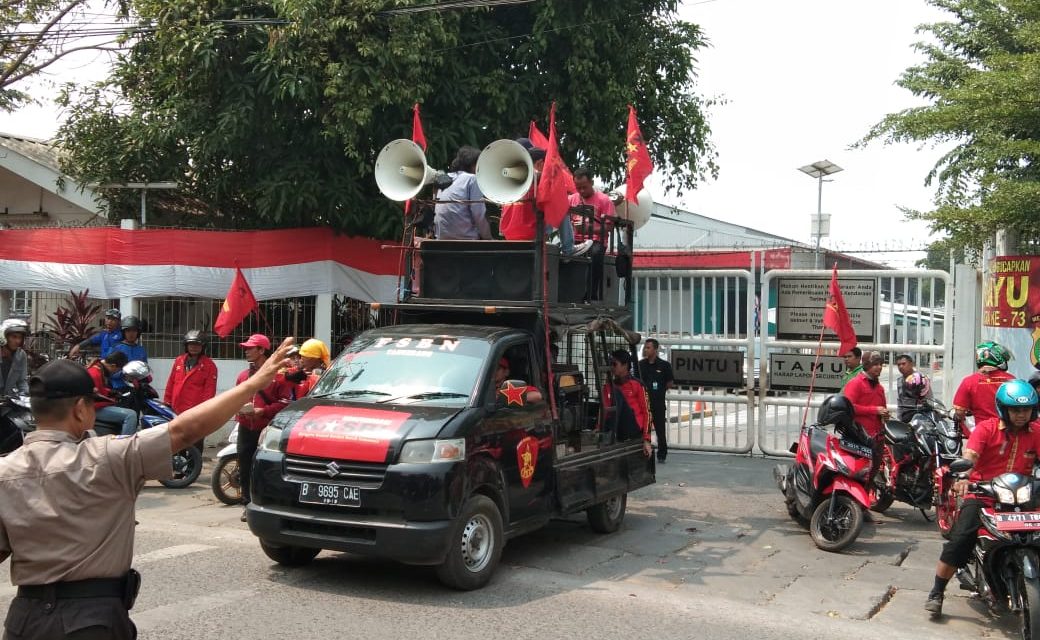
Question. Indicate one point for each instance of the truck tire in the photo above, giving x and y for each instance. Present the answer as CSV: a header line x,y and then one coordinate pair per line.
x,y
476,545
606,517
288,556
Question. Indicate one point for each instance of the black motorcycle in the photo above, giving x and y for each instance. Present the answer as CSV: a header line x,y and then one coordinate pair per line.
x,y
142,398
915,461
1005,566
16,420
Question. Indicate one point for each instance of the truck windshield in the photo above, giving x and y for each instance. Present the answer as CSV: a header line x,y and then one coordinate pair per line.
x,y
386,368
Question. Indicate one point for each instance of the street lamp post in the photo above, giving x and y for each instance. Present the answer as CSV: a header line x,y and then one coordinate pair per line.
x,y
144,187
818,170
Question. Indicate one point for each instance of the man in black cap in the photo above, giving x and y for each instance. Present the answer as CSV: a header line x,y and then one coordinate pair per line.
x,y
67,503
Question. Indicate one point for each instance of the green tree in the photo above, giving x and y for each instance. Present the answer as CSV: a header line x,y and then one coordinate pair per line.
x,y
34,34
980,76
279,124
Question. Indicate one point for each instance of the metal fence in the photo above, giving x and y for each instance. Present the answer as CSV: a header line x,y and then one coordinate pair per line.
x,y
908,320
709,309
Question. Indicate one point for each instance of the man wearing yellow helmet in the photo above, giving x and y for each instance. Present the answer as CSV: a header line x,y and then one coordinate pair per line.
x,y
314,360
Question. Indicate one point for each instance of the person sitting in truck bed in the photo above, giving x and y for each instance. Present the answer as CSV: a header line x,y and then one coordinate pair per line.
x,y
512,395
631,416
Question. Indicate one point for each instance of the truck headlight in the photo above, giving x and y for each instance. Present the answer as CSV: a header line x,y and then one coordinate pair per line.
x,y
270,439
425,451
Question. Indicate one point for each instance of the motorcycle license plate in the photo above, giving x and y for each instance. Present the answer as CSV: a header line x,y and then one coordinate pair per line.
x,y
330,494
1017,521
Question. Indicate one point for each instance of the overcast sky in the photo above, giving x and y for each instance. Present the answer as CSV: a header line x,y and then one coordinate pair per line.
x,y
802,80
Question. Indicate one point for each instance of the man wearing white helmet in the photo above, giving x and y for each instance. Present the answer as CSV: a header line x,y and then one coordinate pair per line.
x,y
14,364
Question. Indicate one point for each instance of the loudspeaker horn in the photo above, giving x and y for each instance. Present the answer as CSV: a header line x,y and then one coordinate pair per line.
x,y
504,171
638,213
401,170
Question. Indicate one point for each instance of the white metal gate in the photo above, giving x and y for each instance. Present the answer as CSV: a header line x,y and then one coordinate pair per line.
x,y
910,304
695,309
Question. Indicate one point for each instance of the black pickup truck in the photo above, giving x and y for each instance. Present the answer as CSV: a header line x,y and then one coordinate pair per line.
x,y
408,449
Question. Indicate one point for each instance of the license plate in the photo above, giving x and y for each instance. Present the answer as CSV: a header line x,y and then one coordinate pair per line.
x,y
1017,521
331,494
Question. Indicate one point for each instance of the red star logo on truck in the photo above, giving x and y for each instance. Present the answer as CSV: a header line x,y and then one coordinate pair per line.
x,y
513,394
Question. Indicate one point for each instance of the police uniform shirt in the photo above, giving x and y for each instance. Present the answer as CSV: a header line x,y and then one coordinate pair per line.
x,y
67,506
656,377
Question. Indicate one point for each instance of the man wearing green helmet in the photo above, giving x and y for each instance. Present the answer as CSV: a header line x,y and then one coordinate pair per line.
x,y
977,392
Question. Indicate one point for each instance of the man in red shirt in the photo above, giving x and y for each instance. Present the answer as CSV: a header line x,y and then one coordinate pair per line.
x,y
255,415
598,228
1006,444
193,379
627,397
106,410
976,393
519,221
868,396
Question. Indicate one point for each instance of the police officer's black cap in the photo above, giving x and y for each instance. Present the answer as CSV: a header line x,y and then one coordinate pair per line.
x,y
61,379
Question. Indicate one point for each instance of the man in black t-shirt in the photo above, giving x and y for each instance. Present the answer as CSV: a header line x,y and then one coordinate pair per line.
x,y
656,376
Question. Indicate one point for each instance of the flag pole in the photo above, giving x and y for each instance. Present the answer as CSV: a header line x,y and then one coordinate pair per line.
x,y
812,379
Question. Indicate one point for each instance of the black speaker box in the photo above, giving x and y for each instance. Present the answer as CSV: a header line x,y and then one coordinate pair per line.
x,y
483,270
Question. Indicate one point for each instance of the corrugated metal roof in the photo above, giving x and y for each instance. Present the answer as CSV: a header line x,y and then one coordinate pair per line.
x,y
39,151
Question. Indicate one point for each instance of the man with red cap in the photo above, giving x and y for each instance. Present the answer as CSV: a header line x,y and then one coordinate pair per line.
x,y
255,415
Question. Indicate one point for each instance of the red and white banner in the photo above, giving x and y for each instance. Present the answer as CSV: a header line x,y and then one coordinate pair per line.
x,y
121,263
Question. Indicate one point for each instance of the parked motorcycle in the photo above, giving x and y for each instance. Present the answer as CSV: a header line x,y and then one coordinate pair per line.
x,y
142,398
225,482
1005,566
914,466
826,486
16,420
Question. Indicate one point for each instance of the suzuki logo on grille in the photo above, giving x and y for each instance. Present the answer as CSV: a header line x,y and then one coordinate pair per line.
x,y
332,469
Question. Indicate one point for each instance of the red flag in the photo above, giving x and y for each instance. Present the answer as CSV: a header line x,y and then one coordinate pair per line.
x,y
418,135
237,305
638,166
836,316
539,140
552,186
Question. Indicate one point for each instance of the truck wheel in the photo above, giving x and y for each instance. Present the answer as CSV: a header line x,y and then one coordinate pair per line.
x,y
476,546
606,517
288,556
225,481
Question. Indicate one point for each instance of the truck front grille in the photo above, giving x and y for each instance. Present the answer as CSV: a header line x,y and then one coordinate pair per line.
x,y
367,475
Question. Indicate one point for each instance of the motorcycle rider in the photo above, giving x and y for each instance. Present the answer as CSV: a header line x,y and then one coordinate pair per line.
x,y
131,346
104,340
867,396
193,378
101,371
976,393
1005,444
914,387
14,364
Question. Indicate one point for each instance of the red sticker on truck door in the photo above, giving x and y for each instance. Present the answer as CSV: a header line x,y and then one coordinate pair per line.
x,y
345,433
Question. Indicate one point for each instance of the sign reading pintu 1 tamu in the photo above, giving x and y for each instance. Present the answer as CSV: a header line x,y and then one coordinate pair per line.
x,y
794,372
708,368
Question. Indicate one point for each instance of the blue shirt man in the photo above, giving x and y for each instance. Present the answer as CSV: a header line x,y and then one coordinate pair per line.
x,y
460,211
133,349
103,340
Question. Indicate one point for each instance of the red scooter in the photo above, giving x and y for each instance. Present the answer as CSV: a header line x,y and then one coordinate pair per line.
x,y
827,485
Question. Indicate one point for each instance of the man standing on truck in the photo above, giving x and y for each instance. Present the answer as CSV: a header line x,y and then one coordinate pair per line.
x,y
656,375
630,417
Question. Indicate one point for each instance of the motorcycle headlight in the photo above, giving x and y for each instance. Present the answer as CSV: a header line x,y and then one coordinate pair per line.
x,y
1023,494
952,445
425,451
1004,495
271,438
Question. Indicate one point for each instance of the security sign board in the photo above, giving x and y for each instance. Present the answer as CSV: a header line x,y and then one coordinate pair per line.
x,y
794,372
800,304
708,368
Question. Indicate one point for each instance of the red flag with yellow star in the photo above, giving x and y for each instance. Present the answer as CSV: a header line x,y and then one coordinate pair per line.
x,y
539,140
238,304
638,166
836,316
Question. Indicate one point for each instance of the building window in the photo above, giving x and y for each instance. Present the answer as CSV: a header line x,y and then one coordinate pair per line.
x,y
21,303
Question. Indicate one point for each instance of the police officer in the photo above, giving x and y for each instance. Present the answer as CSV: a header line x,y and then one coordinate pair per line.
x,y
67,503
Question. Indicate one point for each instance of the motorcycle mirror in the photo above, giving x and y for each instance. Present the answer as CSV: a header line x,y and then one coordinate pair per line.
x,y
961,465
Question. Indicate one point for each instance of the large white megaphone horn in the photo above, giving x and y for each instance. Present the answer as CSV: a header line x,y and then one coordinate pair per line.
x,y
401,170
504,171
639,213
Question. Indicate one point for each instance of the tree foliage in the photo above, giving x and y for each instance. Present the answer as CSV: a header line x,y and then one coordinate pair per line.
x,y
280,125
34,34
980,75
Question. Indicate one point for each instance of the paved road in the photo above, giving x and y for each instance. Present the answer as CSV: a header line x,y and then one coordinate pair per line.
x,y
707,552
